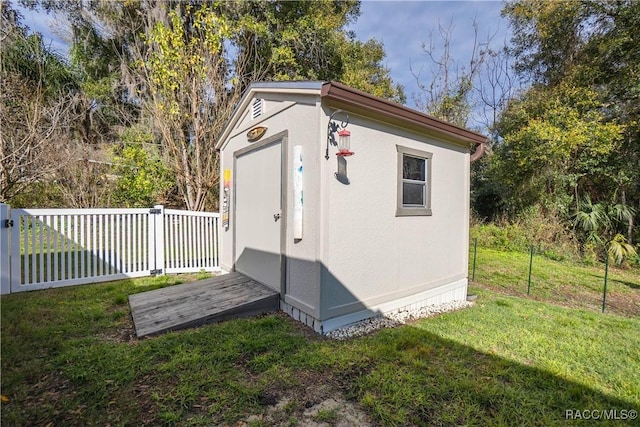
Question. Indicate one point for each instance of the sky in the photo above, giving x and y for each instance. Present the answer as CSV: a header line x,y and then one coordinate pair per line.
x,y
402,26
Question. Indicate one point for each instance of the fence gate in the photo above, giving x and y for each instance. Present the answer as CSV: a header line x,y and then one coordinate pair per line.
x,y
44,248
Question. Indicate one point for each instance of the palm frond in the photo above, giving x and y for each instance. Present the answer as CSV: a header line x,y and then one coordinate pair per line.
x,y
591,216
619,249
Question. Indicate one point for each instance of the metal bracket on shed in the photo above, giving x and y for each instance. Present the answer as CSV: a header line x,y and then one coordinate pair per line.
x,y
8,223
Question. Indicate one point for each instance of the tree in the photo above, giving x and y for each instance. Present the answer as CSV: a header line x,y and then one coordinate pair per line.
x,y
142,179
196,61
452,86
600,226
555,143
612,63
184,81
592,47
290,40
285,40
363,69
86,180
547,37
100,32
470,92
36,108
181,67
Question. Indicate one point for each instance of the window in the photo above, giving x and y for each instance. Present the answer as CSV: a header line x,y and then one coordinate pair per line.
x,y
256,108
414,182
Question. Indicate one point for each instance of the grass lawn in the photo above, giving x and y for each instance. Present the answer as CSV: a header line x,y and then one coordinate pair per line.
x,y
69,357
562,283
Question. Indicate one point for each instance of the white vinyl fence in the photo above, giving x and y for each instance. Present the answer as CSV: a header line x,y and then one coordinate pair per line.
x,y
44,248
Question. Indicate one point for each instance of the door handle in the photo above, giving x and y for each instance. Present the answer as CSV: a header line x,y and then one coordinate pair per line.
x,y
276,217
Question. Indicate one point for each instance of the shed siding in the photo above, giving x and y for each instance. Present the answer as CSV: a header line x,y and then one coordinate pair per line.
x,y
301,121
372,256
273,104
356,257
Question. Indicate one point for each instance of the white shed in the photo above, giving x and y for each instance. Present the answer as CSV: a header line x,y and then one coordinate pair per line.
x,y
344,237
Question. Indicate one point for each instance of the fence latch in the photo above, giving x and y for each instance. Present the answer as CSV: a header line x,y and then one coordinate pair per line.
x,y
8,223
155,272
155,211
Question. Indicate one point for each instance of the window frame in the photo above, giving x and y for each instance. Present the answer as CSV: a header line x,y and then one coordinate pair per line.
x,y
401,208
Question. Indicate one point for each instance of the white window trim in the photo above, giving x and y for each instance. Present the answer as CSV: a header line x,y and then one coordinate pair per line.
x,y
402,209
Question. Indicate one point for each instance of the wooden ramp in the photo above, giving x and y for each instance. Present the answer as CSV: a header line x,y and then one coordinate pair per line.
x,y
192,304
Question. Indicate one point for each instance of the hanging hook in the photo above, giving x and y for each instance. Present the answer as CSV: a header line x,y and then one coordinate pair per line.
x,y
333,127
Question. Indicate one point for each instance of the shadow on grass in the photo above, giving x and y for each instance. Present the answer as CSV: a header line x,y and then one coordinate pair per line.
x,y
613,280
415,377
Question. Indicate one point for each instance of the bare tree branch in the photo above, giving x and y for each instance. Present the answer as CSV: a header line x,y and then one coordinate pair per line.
x,y
33,129
463,92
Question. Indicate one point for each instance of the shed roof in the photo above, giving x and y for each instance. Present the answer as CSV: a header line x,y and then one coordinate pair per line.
x,y
342,96
339,94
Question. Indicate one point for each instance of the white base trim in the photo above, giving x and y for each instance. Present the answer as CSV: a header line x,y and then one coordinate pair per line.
x,y
454,291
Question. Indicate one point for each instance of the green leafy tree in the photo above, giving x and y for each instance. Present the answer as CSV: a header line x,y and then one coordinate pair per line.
x,y
96,65
196,60
290,40
284,40
363,69
142,178
574,133
179,68
547,36
101,32
556,143
611,61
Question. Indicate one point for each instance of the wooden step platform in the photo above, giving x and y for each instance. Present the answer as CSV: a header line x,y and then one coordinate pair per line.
x,y
219,298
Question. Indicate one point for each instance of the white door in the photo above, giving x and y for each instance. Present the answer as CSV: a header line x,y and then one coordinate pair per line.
x,y
258,214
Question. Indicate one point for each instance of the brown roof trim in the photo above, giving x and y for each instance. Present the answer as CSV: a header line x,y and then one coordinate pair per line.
x,y
342,94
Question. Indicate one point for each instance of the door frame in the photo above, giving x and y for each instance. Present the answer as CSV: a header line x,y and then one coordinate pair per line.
x,y
282,138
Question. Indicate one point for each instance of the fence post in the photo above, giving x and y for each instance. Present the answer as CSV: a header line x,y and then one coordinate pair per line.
x,y
5,256
17,262
606,273
157,241
530,267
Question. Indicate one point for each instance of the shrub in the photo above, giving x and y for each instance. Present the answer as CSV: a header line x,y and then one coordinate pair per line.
x,y
547,233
